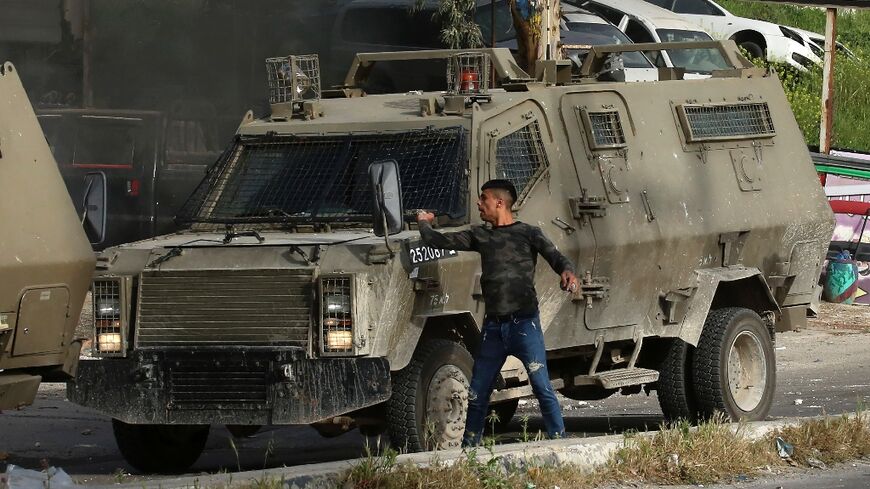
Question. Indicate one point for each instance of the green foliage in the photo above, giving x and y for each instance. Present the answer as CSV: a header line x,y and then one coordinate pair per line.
x,y
804,89
458,29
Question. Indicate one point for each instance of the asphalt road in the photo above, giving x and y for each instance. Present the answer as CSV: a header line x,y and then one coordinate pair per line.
x,y
818,372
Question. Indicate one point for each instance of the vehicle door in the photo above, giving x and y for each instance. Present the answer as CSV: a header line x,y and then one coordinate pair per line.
x,y
639,32
518,145
707,15
613,205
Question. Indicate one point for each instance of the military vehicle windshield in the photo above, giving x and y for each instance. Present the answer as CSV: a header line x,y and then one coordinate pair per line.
x,y
292,178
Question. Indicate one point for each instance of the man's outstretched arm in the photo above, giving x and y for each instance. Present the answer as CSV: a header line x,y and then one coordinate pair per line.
x,y
558,262
460,241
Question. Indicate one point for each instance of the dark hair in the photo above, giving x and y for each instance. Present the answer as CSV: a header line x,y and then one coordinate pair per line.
x,y
500,184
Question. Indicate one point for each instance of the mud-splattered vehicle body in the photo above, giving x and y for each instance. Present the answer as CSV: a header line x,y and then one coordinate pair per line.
x,y
690,207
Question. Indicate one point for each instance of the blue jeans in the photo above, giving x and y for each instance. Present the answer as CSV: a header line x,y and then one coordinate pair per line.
x,y
524,339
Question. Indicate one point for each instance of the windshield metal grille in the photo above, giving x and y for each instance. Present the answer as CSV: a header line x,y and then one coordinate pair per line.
x,y
324,178
726,121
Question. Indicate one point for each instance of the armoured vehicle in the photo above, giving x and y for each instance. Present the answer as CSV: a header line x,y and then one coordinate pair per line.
x,y
45,260
301,293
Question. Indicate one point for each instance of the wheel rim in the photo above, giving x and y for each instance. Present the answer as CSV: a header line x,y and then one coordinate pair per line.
x,y
747,371
446,405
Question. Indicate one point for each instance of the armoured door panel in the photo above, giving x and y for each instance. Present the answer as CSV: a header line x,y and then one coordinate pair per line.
x,y
520,146
42,318
612,176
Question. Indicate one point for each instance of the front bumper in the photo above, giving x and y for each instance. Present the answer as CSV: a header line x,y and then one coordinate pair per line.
x,y
229,386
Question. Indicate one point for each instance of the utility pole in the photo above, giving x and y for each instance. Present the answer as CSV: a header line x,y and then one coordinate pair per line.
x,y
827,125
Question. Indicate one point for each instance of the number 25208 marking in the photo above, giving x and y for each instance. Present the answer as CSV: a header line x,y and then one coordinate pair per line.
x,y
422,254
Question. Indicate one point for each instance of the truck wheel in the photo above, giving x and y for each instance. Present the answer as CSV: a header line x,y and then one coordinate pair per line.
x,y
160,448
430,398
676,396
734,365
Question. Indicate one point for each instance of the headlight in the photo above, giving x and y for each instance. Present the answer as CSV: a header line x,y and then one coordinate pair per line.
x,y
336,304
108,317
107,307
336,314
793,35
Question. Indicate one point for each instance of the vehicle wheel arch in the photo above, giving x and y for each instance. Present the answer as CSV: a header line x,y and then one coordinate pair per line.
x,y
460,327
749,35
726,287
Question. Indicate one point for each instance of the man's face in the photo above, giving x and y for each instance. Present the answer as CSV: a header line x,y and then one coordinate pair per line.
x,y
489,205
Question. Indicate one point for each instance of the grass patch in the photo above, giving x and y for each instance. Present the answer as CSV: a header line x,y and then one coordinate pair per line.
x,y
831,440
678,454
681,455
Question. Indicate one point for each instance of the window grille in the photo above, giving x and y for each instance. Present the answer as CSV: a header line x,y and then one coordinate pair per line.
x,y
604,129
293,78
520,158
295,178
726,121
337,334
106,310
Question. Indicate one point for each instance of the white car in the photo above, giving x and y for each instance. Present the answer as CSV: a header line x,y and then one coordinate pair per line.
x,y
581,29
817,44
759,38
643,22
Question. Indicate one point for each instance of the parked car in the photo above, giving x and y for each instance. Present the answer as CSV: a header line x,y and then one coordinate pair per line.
x,y
759,38
582,29
817,44
644,23
147,161
598,21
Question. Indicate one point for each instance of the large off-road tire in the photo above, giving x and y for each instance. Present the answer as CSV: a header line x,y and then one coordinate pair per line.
x,y
430,398
734,365
675,391
163,449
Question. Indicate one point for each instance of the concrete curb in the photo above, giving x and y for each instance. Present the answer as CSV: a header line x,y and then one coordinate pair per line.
x,y
586,453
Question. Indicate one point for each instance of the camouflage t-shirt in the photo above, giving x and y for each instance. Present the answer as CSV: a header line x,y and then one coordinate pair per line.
x,y
508,255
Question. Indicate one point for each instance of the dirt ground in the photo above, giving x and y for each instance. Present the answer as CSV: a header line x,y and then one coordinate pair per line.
x,y
849,318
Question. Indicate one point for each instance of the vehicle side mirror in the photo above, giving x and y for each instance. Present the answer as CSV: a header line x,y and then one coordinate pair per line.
x,y
94,207
386,188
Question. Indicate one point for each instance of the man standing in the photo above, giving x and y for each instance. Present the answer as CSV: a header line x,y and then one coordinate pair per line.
x,y
508,253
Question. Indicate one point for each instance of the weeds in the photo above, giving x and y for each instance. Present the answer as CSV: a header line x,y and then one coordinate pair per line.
x,y
682,454
677,454
831,440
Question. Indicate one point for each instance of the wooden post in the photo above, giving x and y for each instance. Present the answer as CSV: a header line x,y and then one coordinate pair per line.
x,y
550,25
827,122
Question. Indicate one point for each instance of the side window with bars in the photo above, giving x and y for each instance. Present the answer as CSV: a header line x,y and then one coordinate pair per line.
x,y
603,128
724,122
520,158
